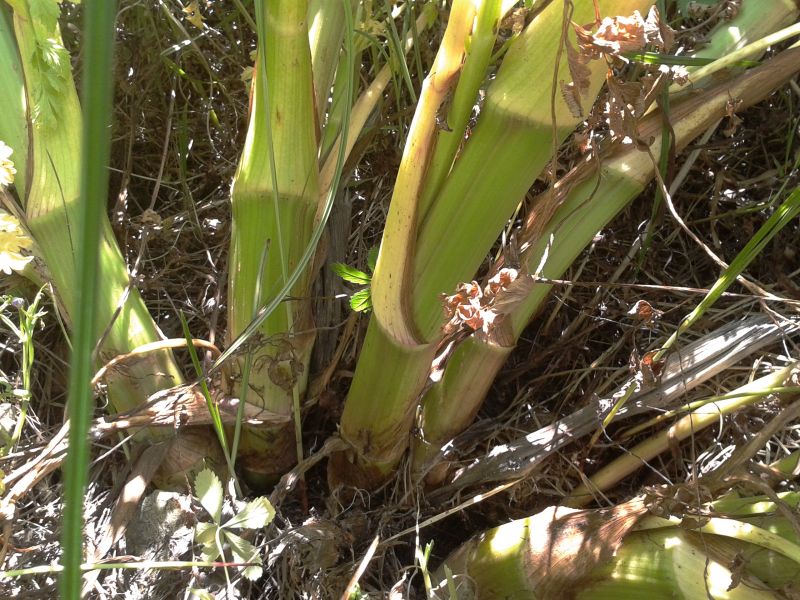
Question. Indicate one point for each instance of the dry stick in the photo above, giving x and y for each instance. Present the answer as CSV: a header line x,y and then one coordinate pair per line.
x,y
676,183
361,568
687,321
477,498
662,288
753,287
683,371
149,348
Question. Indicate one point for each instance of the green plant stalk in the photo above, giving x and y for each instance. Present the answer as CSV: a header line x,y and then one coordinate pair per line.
x,y
28,320
52,208
12,98
332,128
623,552
590,202
748,35
274,200
421,259
685,427
363,108
785,213
326,30
96,144
512,143
377,402
465,96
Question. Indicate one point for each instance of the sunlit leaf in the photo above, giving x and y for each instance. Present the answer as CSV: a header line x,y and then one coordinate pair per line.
x,y
205,534
256,514
244,552
361,301
195,594
208,490
350,274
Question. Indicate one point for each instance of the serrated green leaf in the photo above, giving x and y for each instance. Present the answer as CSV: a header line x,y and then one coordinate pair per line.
x,y
256,514
350,274
44,16
205,533
51,61
244,552
210,553
208,490
361,301
372,258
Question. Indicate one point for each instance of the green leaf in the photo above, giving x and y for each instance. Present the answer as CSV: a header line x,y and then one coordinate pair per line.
x,y
205,534
361,301
351,274
51,63
372,258
256,514
244,552
195,594
44,16
208,490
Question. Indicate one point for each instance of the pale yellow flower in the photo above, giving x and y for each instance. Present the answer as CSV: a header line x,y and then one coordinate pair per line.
x,y
7,169
13,241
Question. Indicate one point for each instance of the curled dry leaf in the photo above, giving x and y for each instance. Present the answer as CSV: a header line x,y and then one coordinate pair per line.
x,y
614,37
645,312
471,309
618,35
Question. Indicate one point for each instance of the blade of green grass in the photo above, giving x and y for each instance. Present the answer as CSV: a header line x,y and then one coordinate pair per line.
x,y
97,84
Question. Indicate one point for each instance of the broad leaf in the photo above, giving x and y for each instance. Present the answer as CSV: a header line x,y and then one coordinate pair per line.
x,y
206,535
256,514
350,274
244,552
361,301
208,490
